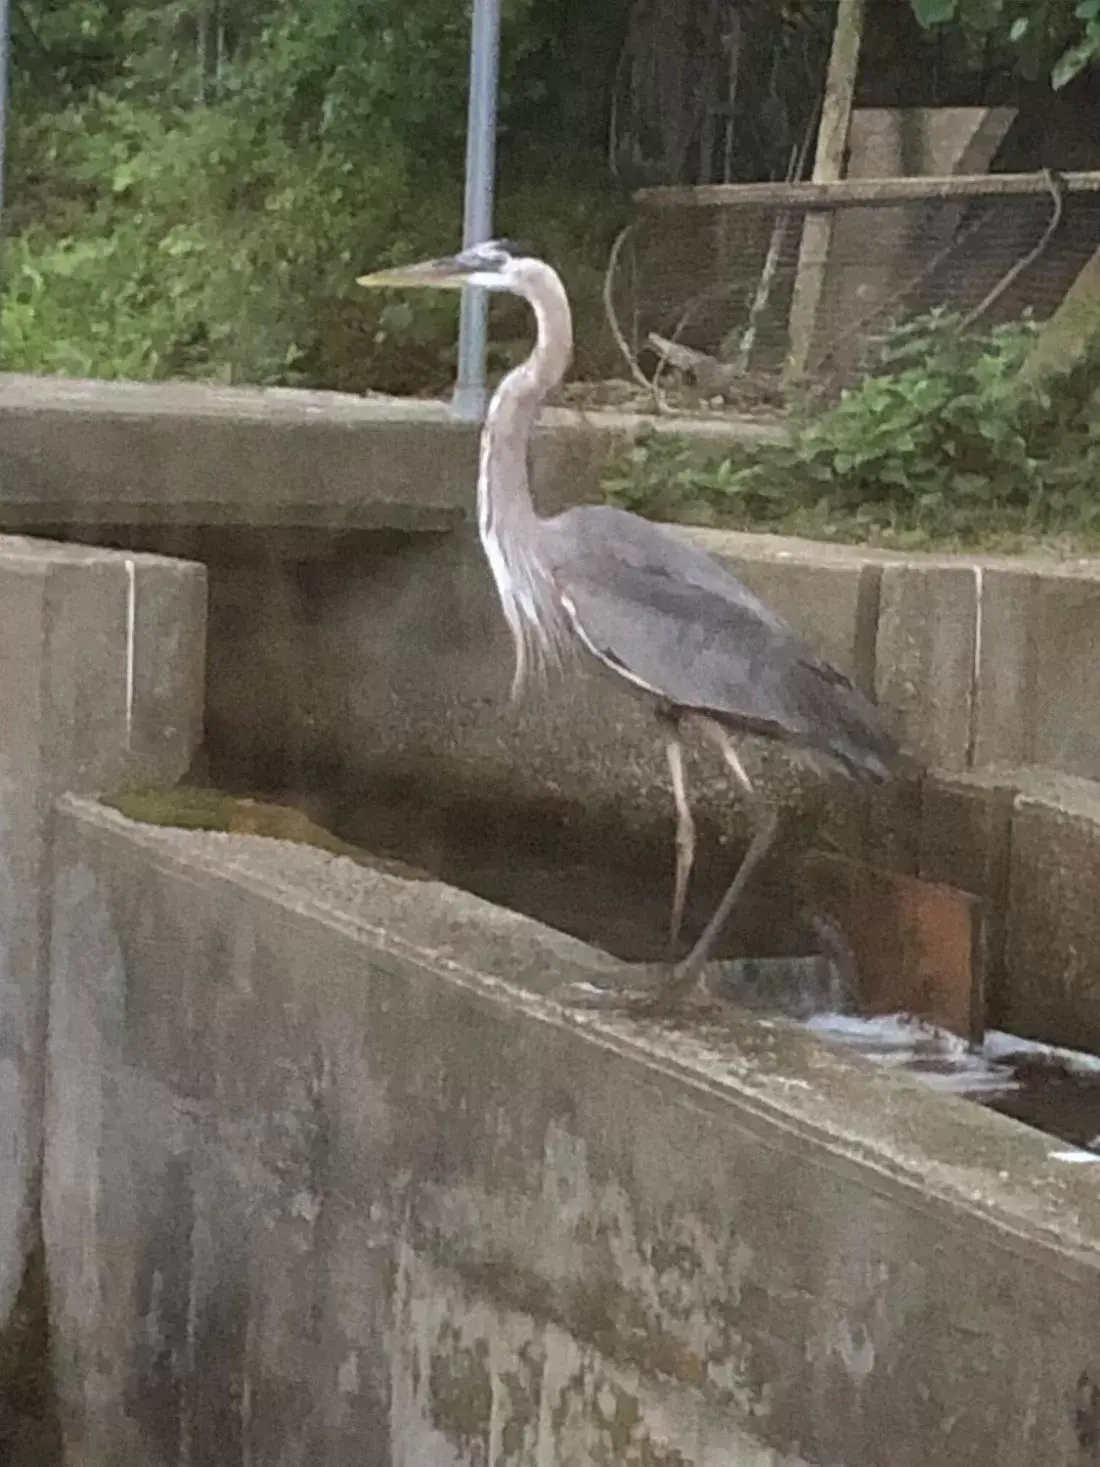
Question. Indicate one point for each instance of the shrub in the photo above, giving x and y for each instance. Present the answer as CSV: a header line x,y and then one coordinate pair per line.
x,y
945,437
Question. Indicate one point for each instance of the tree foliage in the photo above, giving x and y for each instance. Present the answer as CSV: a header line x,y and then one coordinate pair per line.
x,y
1058,36
195,183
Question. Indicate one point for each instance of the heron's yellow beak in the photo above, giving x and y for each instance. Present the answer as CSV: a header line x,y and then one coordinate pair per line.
x,y
444,274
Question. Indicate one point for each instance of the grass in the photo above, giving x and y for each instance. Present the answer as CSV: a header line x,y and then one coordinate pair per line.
x,y
1000,532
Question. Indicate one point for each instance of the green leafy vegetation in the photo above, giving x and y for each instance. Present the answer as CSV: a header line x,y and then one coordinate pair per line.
x,y
189,807
946,441
194,185
1061,37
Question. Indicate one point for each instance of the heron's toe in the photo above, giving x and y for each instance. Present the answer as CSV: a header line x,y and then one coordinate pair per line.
x,y
646,994
591,996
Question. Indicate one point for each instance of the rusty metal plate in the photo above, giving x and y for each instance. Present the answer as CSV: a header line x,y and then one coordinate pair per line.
x,y
916,944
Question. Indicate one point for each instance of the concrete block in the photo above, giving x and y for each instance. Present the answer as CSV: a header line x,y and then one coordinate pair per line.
x,y
1037,694
168,617
1006,666
1066,700
356,1168
964,838
924,664
102,683
1052,945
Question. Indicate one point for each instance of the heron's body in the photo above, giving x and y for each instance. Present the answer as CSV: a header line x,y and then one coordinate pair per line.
x,y
670,619
656,611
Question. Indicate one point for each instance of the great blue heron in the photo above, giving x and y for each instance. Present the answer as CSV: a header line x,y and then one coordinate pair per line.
x,y
660,614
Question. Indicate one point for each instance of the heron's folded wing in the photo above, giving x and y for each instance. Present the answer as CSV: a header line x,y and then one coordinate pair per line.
x,y
709,648
692,646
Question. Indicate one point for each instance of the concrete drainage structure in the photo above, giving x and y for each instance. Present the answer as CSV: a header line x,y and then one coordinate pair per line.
x,y
328,1175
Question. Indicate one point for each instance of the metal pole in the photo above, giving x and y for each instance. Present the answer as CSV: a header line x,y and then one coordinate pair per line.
x,y
469,395
5,50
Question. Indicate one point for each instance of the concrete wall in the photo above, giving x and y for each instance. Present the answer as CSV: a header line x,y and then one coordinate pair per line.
x,y
357,654
101,662
333,1178
320,1179
95,454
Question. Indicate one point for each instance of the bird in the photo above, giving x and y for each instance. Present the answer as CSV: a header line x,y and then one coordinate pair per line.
x,y
665,618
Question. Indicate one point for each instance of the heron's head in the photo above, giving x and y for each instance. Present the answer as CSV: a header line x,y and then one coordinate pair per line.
x,y
495,265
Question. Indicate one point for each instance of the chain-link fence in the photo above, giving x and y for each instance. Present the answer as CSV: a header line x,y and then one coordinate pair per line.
x,y
732,303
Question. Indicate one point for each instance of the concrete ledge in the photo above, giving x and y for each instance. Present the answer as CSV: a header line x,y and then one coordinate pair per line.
x,y
89,453
411,1210
125,453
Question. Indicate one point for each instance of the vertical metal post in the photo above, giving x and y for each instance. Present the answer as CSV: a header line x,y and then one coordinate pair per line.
x,y
5,53
469,395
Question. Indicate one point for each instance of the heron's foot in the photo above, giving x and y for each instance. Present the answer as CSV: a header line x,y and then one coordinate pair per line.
x,y
680,997
601,997
671,997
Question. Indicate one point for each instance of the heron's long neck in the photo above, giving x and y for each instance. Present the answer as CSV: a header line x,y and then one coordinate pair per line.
x,y
509,528
503,489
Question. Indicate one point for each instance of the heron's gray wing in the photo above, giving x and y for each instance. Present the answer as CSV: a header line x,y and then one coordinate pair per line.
x,y
673,621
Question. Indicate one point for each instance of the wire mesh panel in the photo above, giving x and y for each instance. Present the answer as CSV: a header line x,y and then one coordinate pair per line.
x,y
752,286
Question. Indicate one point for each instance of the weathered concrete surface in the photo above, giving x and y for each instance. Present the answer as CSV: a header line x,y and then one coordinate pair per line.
x,y
344,678
348,662
1052,944
374,683
127,453
969,670
101,662
1007,663
1066,727
1026,840
925,658
1037,683
345,670
332,1178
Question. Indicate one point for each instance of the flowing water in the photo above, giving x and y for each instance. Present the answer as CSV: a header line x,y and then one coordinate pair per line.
x,y
1054,1090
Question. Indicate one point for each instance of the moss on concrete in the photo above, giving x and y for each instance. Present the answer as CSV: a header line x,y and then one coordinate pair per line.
x,y
191,808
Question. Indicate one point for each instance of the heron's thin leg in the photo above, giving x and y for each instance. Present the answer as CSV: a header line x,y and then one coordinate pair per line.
x,y
766,824
718,735
685,836
688,970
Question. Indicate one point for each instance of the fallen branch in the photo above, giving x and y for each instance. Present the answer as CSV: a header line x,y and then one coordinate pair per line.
x,y
613,320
